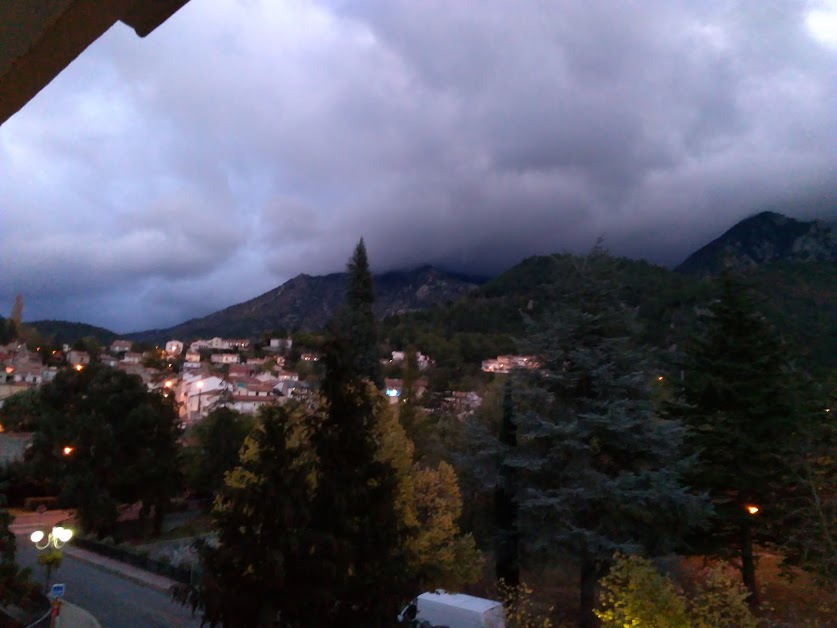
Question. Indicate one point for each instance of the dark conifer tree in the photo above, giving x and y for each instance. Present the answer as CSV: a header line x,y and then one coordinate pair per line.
x,y
258,573
356,526
358,535
507,564
739,403
357,317
599,471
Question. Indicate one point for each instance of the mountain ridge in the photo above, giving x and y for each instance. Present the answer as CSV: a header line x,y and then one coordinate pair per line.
x,y
764,238
308,302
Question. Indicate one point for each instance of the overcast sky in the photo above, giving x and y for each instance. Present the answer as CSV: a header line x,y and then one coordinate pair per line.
x,y
245,142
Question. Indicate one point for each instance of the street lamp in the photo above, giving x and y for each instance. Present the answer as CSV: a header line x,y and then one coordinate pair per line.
x,y
51,560
752,509
57,538
200,396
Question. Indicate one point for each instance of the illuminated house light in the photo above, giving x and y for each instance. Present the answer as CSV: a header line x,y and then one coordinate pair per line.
x,y
392,392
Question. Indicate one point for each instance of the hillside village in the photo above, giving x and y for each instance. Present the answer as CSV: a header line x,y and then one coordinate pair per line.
x,y
207,374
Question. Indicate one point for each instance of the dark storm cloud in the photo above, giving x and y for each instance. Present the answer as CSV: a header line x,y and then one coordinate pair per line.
x,y
241,144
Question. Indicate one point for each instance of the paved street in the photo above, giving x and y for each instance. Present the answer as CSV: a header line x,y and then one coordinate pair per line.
x,y
115,601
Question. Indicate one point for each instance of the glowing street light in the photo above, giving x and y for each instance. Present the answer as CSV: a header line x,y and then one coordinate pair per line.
x,y
57,538
752,509
68,450
79,367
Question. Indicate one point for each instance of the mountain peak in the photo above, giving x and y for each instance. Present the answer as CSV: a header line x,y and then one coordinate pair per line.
x,y
764,238
310,301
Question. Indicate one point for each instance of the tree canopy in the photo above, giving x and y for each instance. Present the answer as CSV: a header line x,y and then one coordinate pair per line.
x,y
599,470
744,410
356,320
106,441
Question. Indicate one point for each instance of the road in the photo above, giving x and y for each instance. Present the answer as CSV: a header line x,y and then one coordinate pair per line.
x,y
115,601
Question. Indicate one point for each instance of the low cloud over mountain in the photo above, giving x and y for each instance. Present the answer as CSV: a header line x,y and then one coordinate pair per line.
x,y
243,143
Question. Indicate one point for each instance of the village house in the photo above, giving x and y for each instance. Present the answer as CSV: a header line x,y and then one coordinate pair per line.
x,y
280,344
265,376
309,357
78,358
422,361
285,376
394,387
505,363
199,394
121,346
225,358
30,374
250,394
220,344
240,370
214,343
174,347
108,360
193,356
132,358
462,403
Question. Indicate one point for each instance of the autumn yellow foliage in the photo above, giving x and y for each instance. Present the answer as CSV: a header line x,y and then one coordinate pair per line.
x,y
634,593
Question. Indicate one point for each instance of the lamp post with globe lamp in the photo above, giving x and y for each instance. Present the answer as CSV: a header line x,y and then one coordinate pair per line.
x,y
53,542
200,397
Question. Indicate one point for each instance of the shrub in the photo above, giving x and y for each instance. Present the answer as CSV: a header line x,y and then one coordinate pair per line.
x,y
720,601
634,593
520,609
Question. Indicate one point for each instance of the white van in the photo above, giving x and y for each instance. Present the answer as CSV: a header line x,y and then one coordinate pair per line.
x,y
454,610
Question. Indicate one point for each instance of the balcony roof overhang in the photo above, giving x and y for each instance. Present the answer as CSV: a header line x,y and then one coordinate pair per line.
x,y
39,38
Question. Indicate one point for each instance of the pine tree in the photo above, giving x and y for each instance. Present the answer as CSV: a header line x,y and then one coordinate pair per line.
x,y
599,471
739,405
358,533
506,551
357,318
17,311
806,527
258,573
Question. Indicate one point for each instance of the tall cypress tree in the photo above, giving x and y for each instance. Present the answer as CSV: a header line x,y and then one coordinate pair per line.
x,y
256,575
739,403
357,317
599,471
507,564
357,531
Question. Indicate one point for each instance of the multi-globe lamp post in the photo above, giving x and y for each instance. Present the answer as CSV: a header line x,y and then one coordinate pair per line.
x,y
55,539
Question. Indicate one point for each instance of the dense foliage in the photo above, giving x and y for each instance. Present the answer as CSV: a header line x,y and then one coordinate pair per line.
x,y
327,520
742,407
16,585
257,570
104,440
634,593
599,471
214,444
